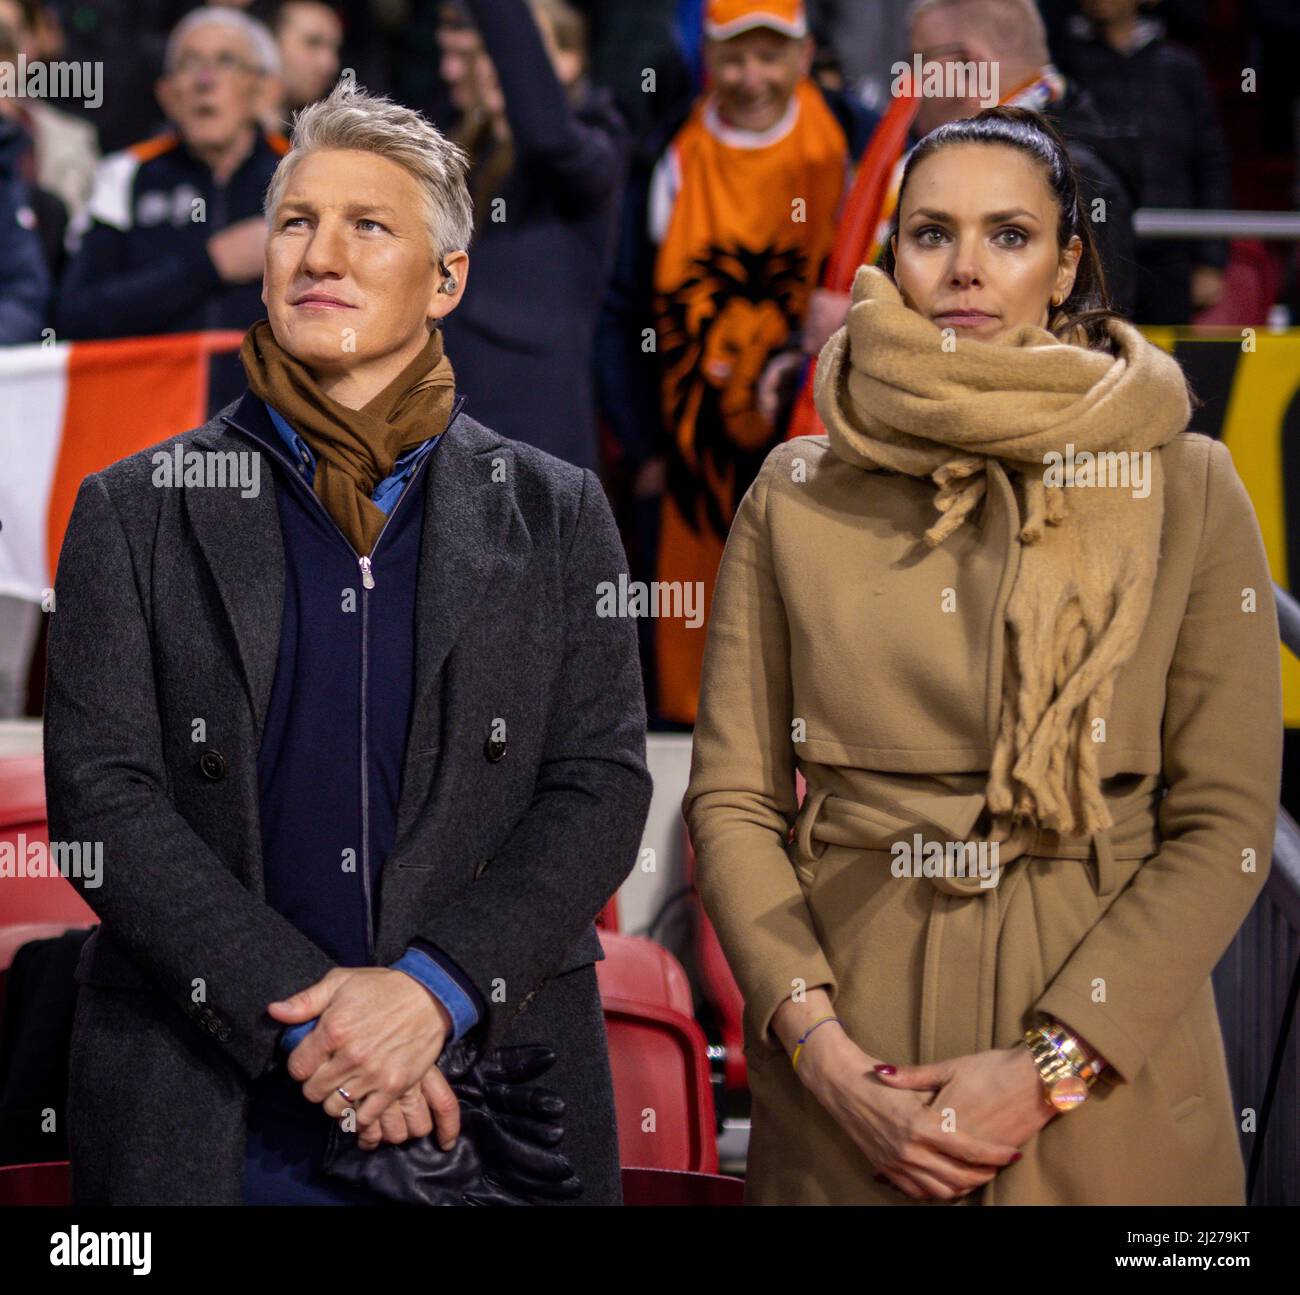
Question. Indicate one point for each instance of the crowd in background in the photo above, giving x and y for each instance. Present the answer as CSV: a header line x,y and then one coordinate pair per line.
x,y
641,300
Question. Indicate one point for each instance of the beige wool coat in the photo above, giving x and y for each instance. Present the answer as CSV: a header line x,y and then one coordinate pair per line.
x,y
839,644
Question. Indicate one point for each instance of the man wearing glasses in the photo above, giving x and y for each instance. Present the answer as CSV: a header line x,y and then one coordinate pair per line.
x,y
173,239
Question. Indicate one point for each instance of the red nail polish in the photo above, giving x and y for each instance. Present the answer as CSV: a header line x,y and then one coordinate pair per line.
x,y
885,1070
1015,1157
880,1178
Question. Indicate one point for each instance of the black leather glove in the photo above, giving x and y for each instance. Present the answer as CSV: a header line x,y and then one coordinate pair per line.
x,y
505,1154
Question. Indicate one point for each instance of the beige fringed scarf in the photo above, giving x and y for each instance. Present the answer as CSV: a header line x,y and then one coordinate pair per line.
x,y
894,396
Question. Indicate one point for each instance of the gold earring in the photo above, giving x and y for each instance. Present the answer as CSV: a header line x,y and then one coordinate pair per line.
x,y
1056,299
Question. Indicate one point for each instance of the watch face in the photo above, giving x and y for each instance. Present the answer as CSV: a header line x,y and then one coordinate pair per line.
x,y
1069,1092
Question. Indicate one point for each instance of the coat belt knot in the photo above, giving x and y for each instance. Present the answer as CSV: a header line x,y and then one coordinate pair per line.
x,y
950,818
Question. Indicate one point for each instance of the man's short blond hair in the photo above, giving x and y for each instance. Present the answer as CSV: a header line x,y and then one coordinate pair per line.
x,y
350,118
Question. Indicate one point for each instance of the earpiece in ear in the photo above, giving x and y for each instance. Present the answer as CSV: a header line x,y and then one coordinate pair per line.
x,y
449,287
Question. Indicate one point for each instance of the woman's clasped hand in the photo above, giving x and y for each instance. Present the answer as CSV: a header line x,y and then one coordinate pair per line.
x,y
936,1131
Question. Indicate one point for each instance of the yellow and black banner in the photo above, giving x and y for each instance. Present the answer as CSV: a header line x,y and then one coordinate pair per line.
x,y
1249,379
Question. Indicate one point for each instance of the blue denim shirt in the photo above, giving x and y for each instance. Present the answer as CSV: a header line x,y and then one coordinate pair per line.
x,y
422,961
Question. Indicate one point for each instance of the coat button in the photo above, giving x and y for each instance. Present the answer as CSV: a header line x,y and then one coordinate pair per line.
x,y
212,765
494,748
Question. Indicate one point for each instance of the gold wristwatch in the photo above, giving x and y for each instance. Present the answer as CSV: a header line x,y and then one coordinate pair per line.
x,y
1089,1064
1064,1088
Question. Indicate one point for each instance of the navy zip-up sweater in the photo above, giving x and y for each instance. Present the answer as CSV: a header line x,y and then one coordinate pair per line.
x,y
343,685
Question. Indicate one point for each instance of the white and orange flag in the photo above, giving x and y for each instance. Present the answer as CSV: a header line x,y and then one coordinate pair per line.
x,y
72,408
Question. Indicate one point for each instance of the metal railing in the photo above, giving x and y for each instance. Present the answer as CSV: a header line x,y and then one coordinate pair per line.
x,y
1185,222
1255,986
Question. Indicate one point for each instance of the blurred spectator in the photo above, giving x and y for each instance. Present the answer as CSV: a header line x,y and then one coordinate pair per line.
x,y
1186,20
24,276
173,239
548,155
43,210
1140,79
721,247
459,47
63,146
309,35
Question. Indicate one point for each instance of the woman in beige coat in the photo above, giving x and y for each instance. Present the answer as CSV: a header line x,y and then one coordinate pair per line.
x,y
1015,626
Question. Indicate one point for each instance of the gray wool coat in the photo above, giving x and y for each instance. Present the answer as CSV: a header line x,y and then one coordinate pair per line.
x,y
168,607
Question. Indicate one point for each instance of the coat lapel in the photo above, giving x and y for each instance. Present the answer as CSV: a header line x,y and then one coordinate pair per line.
x,y
241,543
468,506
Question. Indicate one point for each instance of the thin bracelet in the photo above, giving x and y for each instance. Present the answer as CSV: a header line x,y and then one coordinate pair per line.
x,y
798,1047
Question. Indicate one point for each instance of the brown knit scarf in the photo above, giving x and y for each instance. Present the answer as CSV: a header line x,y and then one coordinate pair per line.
x,y
355,448
893,396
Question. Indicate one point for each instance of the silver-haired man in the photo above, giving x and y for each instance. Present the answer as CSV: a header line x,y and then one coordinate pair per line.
x,y
364,759
173,239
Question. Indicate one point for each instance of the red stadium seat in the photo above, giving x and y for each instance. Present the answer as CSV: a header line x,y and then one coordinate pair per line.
x,y
641,970
607,918
658,1056
47,1184
22,821
719,988
22,790
1251,283
672,1187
